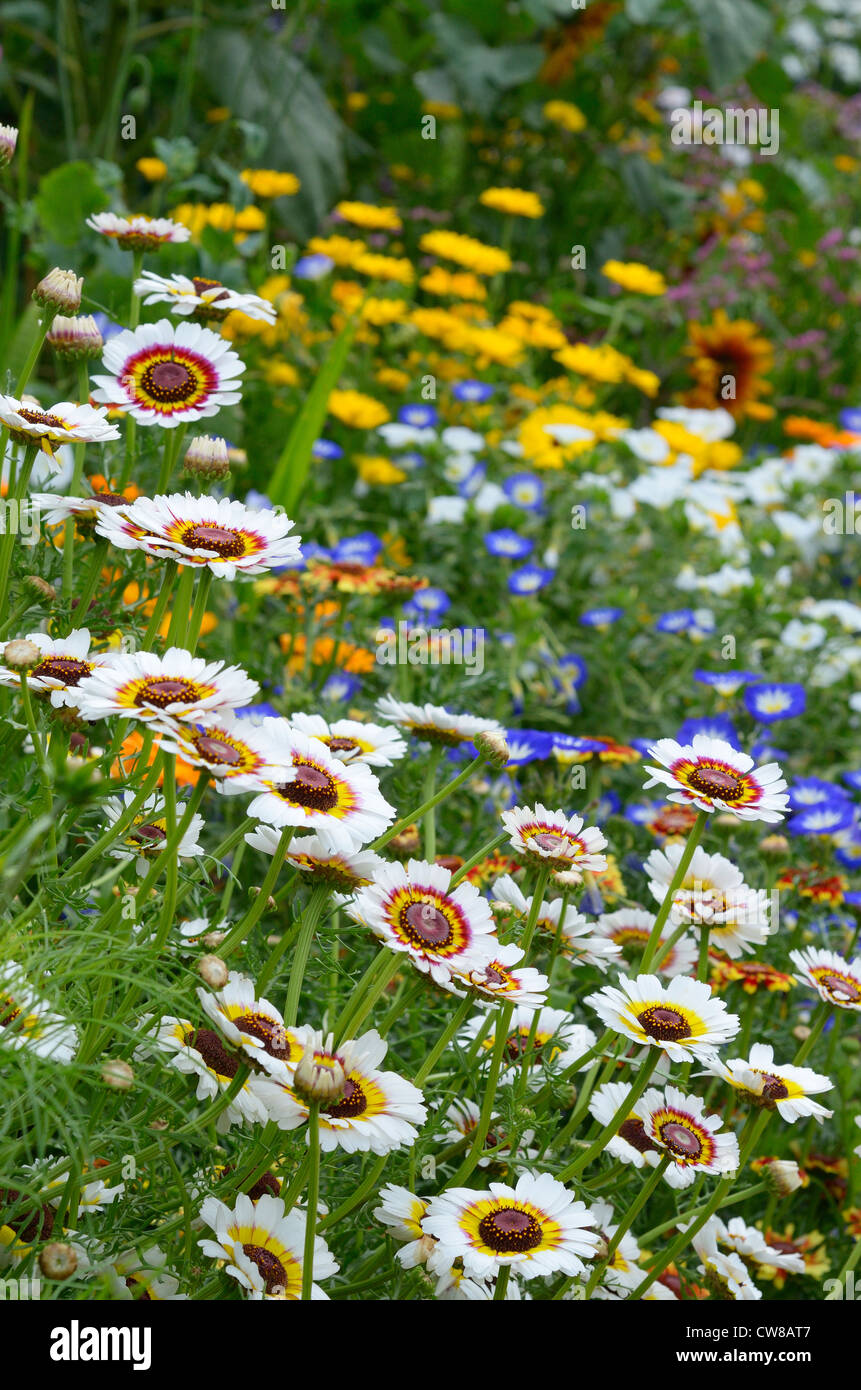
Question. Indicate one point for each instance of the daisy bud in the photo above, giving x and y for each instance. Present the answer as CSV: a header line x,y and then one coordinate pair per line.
x,y
255,891
40,586
782,1176
58,1261
725,818
60,290
206,457
75,339
213,971
118,1075
21,655
774,844
213,939
492,748
8,141
568,878
406,843
320,1078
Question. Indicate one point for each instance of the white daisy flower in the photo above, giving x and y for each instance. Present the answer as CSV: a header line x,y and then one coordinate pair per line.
x,y
202,298
680,1017
630,929
63,423
378,745
554,838
141,685
414,910
630,1143
147,835
224,535
401,1212
680,1128
27,1021
578,941
322,858
712,894
307,786
65,662
506,979
713,776
55,510
836,980
726,1274
264,1245
536,1227
557,1040
231,749
141,1275
623,1271
786,1089
201,1052
253,1025
435,723
168,374
377,1112
750,1244
138,233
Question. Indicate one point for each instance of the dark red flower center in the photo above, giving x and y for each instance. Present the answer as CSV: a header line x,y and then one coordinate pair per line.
x,y
311,788
681,1141
61,668
164,690
353,1102
229,544
271,1033
425,925
510,1231
663,1024
168,382
213,1051
217,750
715,781
271,1269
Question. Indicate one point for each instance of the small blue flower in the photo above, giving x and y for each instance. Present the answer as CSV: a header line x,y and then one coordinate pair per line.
x,y
768,703
572,669
312,551
257,712
607,805
313,267
713,726
852,779
363,549
678,621
341,685
527,746
566,745
106,326
419,416
814,791
327,449
765,752
726,683
509,543
411,460
601,617
824,819
428,603
529,579
479,391
471,484
851,420
643,745
258,500
525,491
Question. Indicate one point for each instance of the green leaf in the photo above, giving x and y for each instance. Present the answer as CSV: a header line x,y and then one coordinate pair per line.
x,y
642,11
66,198
291,470
734,35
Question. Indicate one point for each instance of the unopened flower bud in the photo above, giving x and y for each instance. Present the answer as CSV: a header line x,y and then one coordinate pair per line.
x,y
40,586
405,843
58,1260
320,1073
213,939
60,290
213,971
75,339
8,141
774,844
492,748
568,878
118,1075
206,457
21,655
781,1175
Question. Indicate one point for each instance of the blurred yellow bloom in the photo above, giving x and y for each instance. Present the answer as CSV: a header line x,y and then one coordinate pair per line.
x,y
269,183
392,379
355,409
217,113
635,277
357,101
461,284
378,471
566,115
343,250
152,169
517,202
367,215
281,374
466,251
384,268
250,219
443,110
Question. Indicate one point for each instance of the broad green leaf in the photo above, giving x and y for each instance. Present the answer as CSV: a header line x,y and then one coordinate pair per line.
x,y
66,198
734,35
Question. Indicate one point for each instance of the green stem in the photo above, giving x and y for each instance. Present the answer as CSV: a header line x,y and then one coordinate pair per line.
x,y
242,928
678,878
621,1114
312,1197
426,806
310,919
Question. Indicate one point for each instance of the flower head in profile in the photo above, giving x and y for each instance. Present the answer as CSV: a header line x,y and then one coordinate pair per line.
x,y
539,1040
836,981
434,723
630,1143
506,978
725,1274
536,1227
138,233
225,535
230,749
555,839
713,895
263,1245
178,686
713,776
63,423
681,1017
786,1089
65,661
169,374
148,834
252,1025
681,1130
202,1052
630,928
353,741
402,1212
28,1022
205,300
413,909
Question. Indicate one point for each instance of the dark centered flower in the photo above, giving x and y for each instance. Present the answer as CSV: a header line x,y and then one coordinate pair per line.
x,y
168,381
311,788
633,1131
715,781
61,668
217,750
271,1269
663,1024
272,1034
213,1051
164,690
204,535
426,925
353,1102
840,986
680,1140
510,1231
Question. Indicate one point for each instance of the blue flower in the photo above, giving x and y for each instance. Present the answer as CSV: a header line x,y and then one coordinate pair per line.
x,y
601,617
851,420
428,603
713,726
106,326
411,460
471,484
363,549
527,745
824,819
644,746
574,744
814,791
678,621
327,449
768,703
607,805
257,712
765,752
479,391
726,683
341,685
573,670
509,544
312,551
419,416
853,779
258,500
525,491
313,267
529,579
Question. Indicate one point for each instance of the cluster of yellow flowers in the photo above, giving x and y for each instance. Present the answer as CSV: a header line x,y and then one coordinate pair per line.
x,y
466,251
359,411
370,217
606,364
223,217
457,284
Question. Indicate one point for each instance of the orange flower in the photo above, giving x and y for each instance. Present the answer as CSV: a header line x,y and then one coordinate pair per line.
x,y
729,355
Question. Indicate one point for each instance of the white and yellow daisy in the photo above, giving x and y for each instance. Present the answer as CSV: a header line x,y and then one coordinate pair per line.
x,y
681,1017
578,941
378,745
556,839
750,1244
201,298
227,537
836,980
63,423
141,685
786,1089
713,894
401,1212
322,859
146,838
463,1116
264,1245
231,749
680,1128
169,374
630,929
378,1111
413,909
713,776
535,1227
725,1275
253,1025
138,233
65,662
435,723
622,1271
506,979
630,1143
27,1021
556,1043
202,1053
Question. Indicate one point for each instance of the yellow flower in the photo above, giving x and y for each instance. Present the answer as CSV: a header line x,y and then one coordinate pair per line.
x,y
366,215
635,277
355,409
566,115
343,250
152,169
221,216
534,332
647,382
443,110
281,374
384,268
466,251
518,202
357,101
600,363
269,183
382,311
461,284
218,113
378,471
250,219
392,379
845,163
